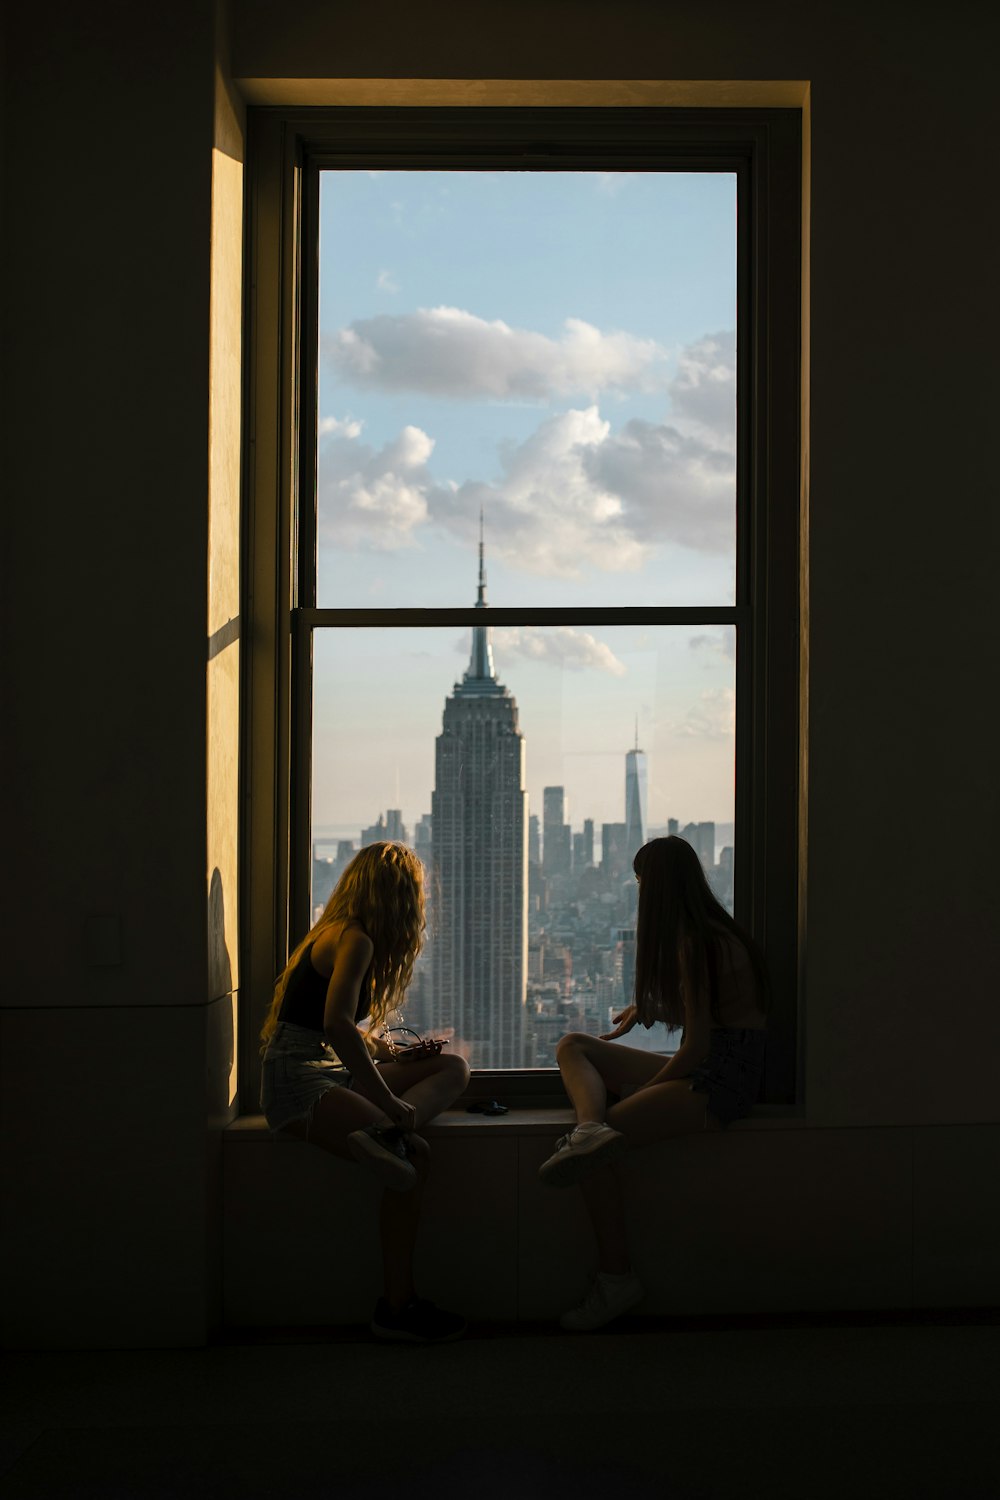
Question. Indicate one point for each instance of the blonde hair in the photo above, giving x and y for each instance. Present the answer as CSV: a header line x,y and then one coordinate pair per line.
x,y
382,889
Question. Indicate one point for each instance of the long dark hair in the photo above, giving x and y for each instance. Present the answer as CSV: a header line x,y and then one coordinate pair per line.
x,y
674,942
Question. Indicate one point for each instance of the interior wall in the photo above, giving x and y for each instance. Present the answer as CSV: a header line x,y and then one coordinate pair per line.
x,y
115,1038
116,366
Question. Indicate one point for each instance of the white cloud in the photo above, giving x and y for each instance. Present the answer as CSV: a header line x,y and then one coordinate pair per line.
x,y
713,717
339,427
385,282
559,646
704,388
574,495
444,351
672,486
374,499
547,515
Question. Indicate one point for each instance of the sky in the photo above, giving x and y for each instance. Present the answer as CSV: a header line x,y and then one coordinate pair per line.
x,y
555,351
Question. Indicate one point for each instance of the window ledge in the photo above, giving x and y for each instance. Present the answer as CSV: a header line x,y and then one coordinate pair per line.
x,y
517,1122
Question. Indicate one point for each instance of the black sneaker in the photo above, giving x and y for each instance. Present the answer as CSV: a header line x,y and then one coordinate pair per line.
x,y
419,1322
383,1151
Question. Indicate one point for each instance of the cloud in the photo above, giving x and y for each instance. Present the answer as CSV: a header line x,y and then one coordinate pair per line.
x,y
337,427
385,282
723,644
704,388
547,515
375,499
444,351
574,495
672,486
558,646
713,717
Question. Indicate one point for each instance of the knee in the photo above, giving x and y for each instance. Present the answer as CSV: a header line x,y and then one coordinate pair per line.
x,y
455,1073
573,1041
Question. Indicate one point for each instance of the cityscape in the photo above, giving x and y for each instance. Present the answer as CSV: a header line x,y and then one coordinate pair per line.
x,y
531,921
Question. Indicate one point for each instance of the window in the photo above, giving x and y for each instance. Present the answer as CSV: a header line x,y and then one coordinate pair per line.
x,y
577,625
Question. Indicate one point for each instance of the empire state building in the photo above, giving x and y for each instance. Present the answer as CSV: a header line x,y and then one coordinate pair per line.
x,y
480,862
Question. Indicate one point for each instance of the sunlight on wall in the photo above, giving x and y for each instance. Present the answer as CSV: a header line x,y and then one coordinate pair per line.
x,y
223,673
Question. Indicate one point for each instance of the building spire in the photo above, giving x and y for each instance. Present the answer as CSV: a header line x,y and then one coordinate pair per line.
x,y
481,668
481,596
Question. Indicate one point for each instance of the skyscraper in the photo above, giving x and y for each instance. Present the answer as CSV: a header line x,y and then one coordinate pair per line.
x,y
701,837
479,817
635,799
556,843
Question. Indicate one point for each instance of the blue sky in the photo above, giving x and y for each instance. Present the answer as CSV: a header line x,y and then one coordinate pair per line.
x,y
557,349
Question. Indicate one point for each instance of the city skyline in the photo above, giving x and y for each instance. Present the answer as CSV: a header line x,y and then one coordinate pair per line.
x,y
367,759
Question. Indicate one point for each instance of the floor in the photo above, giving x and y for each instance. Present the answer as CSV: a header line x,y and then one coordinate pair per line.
x,y
801,1409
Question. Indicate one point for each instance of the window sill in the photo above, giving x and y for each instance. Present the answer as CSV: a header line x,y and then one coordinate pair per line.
x,y
535,1121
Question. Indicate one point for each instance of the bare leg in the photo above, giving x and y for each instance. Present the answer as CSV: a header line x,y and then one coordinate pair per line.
x,y
588,1093
399,1221
602,1194
338,1113
666,1110
430,1086
589,1065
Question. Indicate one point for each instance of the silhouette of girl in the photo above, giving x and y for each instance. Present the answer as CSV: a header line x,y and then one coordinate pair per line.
x,y
695,968
349,1092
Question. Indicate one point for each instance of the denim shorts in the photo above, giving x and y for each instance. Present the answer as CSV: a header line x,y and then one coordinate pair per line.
x,y
299,1068
732,1073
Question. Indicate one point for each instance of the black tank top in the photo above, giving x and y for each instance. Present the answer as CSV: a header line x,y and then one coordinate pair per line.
x,y
304,1000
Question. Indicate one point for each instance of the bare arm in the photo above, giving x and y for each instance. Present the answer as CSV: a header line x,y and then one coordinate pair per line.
x,y
697,1036
351,958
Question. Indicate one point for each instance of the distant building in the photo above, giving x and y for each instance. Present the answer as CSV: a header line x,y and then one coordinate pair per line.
x,y
386,826
701,837
422,841
556,832
624,951
395,828
579,853
614,860
326,873
635,800
588,842
375,834
534,841
479,814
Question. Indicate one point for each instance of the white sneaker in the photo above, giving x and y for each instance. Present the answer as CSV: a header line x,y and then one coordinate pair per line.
x,y
585,1147
608,1297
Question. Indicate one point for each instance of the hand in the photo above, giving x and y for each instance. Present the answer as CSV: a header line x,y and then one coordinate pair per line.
x,y
623,1023
400,1113
420,1051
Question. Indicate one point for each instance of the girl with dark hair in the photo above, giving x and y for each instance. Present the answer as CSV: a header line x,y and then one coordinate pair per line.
x,y
696,969
341,1086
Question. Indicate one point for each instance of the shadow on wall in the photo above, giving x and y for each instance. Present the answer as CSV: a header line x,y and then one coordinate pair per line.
x,y
222,998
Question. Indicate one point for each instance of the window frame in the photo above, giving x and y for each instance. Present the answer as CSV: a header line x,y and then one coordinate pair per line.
x,y
287,149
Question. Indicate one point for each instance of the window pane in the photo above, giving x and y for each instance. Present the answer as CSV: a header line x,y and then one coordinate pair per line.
x,y
525,766
554,350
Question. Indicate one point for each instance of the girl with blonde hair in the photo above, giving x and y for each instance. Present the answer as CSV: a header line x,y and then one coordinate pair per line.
x,y
343,1087
696,969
